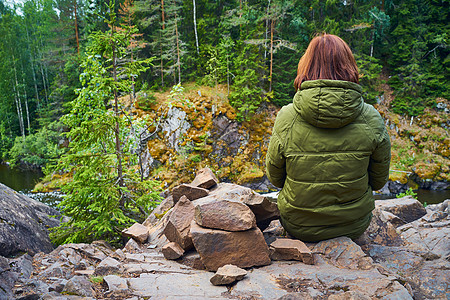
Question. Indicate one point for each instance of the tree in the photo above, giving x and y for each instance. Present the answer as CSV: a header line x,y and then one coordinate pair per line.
x,y
104,194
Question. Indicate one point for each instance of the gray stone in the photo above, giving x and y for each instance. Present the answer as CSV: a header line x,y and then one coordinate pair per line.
x,y
228,274
193,285
191,192
380,231
24,223
344,253
115,282
230,215
407,208
79,286
138,232
108,266
205,178
217,248
57,286
132,246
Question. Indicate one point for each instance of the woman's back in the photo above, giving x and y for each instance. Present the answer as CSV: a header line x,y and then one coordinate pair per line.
x,y
327,156
328,149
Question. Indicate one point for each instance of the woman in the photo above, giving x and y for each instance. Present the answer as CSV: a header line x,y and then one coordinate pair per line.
x,y
328,149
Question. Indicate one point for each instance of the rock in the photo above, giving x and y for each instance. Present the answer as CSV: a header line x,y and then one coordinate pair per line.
x,y
176,285
391,218
108,266
179,222
227,275
350,295
115,282
192,259
217,248
24,223
138,232
289,249
159,212
205,178
407,208
380,231
190,191
132,246
172,251
264,209
79,286
57,286
344,253
230,215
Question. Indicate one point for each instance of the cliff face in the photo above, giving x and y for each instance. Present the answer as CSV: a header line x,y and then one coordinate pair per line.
x,y
420,146
198,128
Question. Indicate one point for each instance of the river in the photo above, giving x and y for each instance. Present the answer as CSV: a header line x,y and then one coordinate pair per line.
x,y
24,181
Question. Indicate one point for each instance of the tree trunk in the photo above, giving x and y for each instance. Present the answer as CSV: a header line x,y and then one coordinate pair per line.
x,y
195,28
32,70
267,29
160,44
26,103
178,50
271,54
116,113
76,27
17,99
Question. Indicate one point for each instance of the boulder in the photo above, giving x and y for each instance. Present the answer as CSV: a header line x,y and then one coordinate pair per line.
x,y
217,248
344,253
79,286
108,266
289,249
24,223
380,231
190,191
179,222
407,208
264,209
115,283
137,232
172,251
230,215
228,274
192,259
205,178
159,212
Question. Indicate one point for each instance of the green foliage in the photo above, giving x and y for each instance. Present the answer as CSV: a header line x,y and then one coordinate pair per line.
x,y
369,71
408,192
104,194
38,149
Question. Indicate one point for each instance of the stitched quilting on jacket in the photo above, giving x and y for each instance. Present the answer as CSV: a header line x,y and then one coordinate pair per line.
x,y
328,151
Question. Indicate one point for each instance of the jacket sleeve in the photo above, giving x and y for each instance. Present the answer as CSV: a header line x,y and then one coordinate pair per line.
x,y
276,162
379,162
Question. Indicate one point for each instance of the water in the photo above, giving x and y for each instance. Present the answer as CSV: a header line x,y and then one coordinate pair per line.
x,y
424,196
24,181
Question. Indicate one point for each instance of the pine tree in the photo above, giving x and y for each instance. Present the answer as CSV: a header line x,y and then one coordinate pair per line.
x,y
104,194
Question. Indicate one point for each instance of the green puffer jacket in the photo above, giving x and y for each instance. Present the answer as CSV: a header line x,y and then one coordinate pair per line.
x,y
328,151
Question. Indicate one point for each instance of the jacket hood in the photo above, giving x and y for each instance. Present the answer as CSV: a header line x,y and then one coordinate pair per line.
x,y
329,103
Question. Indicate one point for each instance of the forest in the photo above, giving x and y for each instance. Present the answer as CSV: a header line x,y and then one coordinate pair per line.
x,y
64,64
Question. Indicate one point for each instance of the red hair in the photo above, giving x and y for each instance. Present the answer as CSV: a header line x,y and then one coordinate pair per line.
x,y
327,57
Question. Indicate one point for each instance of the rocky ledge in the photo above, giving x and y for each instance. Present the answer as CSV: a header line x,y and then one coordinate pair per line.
x,y
192,252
